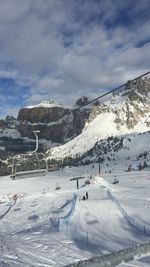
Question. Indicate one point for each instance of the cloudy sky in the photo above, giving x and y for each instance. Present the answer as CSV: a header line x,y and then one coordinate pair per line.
x,y
63,49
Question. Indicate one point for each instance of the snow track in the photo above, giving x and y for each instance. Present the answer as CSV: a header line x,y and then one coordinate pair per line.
x,y
7,211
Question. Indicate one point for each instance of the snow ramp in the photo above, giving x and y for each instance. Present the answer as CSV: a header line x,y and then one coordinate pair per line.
x,y
99,224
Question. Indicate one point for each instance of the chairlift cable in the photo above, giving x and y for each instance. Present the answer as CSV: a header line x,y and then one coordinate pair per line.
x,y
113,90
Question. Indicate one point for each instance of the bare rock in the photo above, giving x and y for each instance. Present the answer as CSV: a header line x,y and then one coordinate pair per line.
x,y
41,114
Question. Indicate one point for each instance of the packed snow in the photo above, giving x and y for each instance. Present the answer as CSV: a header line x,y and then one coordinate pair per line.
x,y
42,226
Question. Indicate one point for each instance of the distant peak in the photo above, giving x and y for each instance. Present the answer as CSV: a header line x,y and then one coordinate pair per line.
x,y
82,101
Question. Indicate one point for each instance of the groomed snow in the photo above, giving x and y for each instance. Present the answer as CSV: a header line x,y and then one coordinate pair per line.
x,y
48,227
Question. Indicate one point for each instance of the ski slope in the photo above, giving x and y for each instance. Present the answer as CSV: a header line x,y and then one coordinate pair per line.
x,y
40,226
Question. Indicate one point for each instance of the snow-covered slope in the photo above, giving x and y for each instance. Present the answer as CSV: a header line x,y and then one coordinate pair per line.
x,y
127,112
102,127
132,150
43,227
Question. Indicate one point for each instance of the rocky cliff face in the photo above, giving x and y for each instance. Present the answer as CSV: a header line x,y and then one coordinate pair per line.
x,y
59,131
42,114
55,123
129,106
3,124
136,104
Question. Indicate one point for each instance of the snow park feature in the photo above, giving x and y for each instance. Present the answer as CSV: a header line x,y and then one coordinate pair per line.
x,y
49,227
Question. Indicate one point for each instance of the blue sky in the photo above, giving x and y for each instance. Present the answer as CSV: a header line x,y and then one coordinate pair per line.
x,y
63,49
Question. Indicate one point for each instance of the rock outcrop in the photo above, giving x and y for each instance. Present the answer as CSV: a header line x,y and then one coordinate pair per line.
x,y
42,114
82,101
65,128
3,124
56,123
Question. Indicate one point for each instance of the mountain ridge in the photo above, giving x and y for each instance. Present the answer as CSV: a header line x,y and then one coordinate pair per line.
x,y
72,134
125,112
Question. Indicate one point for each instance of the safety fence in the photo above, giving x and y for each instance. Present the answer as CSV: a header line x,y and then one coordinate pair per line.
x,y
114,258
67,218
71,230
131,220
87,238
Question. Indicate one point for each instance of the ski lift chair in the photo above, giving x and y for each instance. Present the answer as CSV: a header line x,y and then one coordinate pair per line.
x,y
29,165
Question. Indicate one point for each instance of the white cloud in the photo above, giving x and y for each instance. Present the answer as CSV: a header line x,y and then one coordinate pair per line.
x,y
47,83
8,74
65,49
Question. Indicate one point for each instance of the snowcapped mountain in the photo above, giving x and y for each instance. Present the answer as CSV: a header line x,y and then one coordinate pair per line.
x,y
79,134
56,124
126,113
